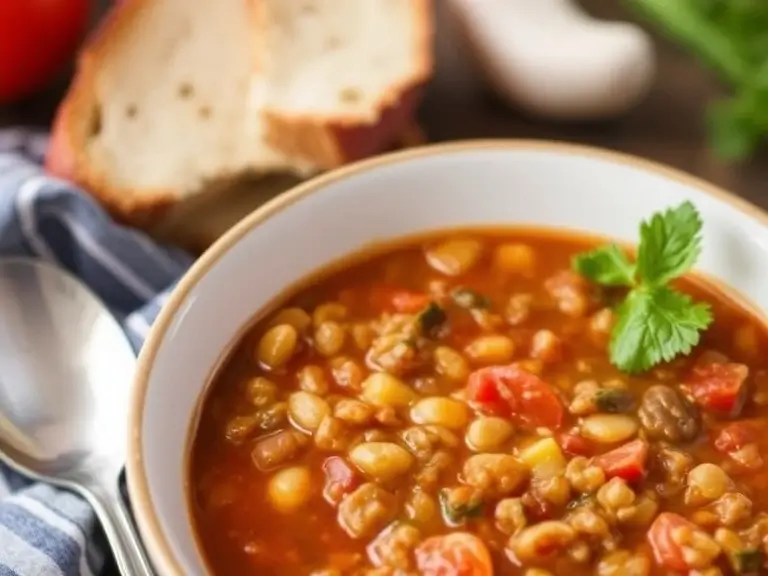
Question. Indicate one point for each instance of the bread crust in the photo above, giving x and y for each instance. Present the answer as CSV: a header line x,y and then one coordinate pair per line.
x,y
78,117
329,142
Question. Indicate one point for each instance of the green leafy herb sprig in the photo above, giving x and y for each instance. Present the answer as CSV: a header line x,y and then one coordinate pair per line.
x,y
655,322
731,36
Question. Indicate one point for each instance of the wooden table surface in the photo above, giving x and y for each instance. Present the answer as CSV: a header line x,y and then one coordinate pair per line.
x,y
667,126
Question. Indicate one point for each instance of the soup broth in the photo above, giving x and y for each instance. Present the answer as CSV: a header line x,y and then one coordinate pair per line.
x,y
449,407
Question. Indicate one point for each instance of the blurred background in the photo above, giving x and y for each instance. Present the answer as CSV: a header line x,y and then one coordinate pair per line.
x,y
669,124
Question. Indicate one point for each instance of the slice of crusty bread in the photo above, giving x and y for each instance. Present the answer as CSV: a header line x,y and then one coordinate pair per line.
x,y
339,79
168,96
159,106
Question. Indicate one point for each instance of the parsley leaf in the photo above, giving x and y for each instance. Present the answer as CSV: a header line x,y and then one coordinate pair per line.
x,y
607,265
655,322
655,325
670,243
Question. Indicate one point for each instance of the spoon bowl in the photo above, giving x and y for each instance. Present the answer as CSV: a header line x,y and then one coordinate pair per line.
x,y
66,370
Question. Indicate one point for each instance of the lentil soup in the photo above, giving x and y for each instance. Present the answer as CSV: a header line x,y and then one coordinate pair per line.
x,y
449,408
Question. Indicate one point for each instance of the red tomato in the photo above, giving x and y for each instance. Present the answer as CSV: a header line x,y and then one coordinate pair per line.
x,y
719,387
735,436
408,302
575,444
37,39
491,398
511,391
398,299
666,551
340,478
455,554
627,461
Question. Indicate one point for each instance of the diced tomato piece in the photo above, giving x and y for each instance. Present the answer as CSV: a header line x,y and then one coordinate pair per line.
x,y
409,302
340,479
719,387
454,554
627,461
742,442
513,392
666,551
735,436
398,299
575,444
489,396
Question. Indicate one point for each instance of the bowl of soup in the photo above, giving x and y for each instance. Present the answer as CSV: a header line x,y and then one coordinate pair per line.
x,y
475,359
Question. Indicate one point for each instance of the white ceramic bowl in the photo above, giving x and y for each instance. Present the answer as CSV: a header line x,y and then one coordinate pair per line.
x,y
447,186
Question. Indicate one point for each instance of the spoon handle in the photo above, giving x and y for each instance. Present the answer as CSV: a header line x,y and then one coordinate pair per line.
x,y
121,533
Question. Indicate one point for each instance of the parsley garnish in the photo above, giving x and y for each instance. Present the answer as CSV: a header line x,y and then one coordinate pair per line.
x,y
655,322
431,319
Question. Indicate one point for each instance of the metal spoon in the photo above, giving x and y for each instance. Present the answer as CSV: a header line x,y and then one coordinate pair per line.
x,y
66,369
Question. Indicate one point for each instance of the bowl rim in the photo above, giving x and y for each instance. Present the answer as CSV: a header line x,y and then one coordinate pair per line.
x,y
147,518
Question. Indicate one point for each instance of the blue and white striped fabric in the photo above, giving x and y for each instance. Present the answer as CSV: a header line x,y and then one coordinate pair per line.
x,y
46,531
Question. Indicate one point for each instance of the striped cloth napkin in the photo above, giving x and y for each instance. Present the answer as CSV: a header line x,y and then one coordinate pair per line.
x,y
45,531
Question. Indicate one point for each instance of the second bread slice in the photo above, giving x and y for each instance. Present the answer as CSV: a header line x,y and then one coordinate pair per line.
x,y
339,80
